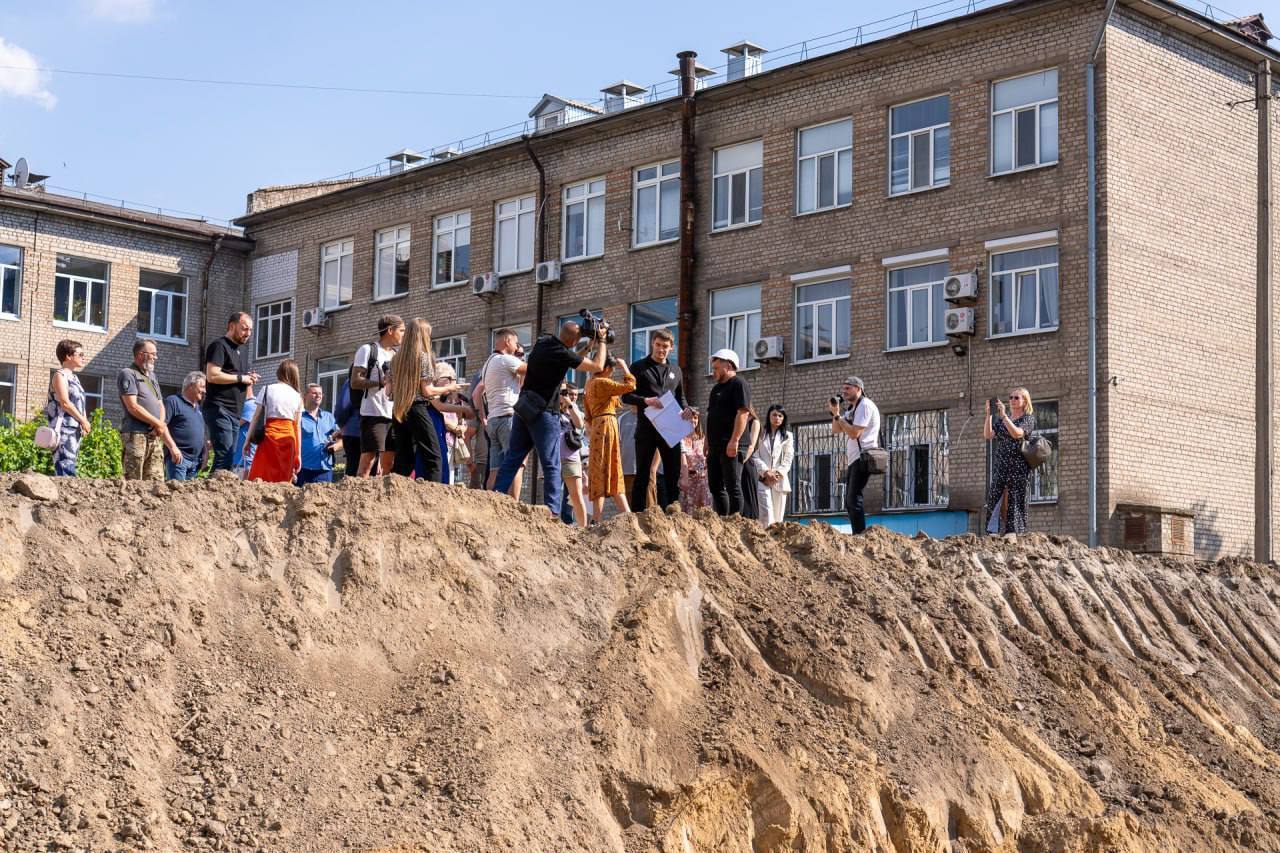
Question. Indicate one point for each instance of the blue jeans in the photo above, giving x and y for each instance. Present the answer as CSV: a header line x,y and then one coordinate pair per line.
x,y
187,469
313,475
544,436
222,427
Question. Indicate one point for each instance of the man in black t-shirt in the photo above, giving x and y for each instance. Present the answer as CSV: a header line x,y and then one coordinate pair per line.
x,y
655,376
536,425
727,436
228,381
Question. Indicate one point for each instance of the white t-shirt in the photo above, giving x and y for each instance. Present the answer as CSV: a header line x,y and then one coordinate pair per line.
x,y
281,401
864,414
501,384
375,403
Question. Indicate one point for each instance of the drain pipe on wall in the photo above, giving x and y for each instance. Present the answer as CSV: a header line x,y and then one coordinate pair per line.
x,y
1091,145
204,300
1264,388
539,258
688,209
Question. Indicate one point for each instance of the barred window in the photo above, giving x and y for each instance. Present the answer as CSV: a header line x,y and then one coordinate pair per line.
x,y
817,474
918,446
1044,480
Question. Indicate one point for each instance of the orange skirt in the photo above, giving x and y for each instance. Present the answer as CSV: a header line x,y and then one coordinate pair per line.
x,y
274,459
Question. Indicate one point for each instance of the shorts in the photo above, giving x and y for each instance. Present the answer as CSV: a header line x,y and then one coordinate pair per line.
x,y
571,467
375,435
499,434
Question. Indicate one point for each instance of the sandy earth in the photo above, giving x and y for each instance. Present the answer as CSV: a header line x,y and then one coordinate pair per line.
x,y
392,666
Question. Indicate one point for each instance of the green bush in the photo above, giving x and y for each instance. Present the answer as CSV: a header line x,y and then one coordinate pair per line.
x,y
18,451
100,451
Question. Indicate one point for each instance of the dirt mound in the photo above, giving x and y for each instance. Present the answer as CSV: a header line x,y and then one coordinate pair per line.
x,y
385,665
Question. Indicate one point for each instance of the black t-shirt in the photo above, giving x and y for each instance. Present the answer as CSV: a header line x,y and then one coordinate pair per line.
x,y
726,399
231,359
549,361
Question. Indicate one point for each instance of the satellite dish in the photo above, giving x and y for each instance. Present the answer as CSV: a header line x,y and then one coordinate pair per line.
x,y
21,173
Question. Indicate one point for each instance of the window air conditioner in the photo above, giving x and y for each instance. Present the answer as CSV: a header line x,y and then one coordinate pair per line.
x,y
961,287
313,318
958,322
485,284
547,272
769,349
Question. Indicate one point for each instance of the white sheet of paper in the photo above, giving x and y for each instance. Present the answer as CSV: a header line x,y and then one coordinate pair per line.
x,y
668,420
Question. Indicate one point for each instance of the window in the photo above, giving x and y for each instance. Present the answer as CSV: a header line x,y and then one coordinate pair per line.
x,y
10,281
524,334
735,322
647,318
452,249
822,320
1024,291
918,449
1044,480
454,351
80,293
162,305
513,246
330,374
656,217
824,166
920,145
584,220
737,185
275,324
817,474
8,397
1024,122
92,386
574,377
391,263
335,273
917,306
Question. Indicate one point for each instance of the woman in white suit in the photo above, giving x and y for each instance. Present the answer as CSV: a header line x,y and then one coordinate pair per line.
x,y
774,452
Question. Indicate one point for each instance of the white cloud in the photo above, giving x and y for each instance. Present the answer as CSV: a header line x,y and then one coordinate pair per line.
x,y
20,76
123,11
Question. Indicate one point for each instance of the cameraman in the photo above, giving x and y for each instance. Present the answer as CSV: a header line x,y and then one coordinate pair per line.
x,y
537,421
860,424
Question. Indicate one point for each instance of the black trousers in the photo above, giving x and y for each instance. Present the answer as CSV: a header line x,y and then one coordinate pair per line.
x,y
855,480
724,479
417,445
648,442
351,454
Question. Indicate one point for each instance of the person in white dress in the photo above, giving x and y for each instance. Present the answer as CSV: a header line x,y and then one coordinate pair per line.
x,y
774,453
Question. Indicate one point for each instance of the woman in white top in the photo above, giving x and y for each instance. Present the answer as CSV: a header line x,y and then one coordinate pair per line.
x,y
279,455
774,452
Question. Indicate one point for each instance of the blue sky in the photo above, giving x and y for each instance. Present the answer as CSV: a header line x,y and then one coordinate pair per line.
x,y
201,148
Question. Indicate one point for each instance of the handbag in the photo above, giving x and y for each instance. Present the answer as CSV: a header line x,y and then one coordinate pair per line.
x,y
573,438
1036,450
258,429
875,460
47,435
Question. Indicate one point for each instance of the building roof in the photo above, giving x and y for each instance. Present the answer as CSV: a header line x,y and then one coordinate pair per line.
x,y
560,103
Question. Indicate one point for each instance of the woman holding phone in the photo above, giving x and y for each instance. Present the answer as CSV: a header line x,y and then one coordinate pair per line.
x,y
1006,429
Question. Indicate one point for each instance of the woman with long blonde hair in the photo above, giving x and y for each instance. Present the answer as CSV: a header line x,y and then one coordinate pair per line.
x,y
411,390
279,455
1005,430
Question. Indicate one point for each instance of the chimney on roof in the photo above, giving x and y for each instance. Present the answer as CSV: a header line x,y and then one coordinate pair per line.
x,y
1251,27
448,152
746,59
622,95
700,71
404,159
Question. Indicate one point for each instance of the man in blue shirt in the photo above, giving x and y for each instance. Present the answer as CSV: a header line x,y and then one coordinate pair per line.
x,y
319,438
185,422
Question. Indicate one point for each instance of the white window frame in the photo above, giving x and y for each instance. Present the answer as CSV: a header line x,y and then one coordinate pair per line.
x,y
590,192
889,290
331,380
1034,486
748,358
910,136
671,327
17,284
1001,247
522,215
391,239
456,358
526,340
834,154
455,226
9,389
897,433
186,290
268,329
91,397
90,285
660,179
747,221
1013,126
832,303
345,248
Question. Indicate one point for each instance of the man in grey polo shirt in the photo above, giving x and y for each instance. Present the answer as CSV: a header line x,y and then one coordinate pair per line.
x,y
143,431
500,387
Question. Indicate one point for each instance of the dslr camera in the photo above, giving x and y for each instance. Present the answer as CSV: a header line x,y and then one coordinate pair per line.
x,y
590,327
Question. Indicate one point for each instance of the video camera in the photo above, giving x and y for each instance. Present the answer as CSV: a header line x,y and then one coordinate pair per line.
x,y
589,327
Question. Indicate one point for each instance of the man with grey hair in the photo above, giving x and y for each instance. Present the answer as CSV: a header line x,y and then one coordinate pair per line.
x,y
860,425
186,426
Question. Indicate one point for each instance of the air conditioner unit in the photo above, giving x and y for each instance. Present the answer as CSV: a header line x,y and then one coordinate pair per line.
x,y
485,284
961,287
547,272
313,318
769,349
958,322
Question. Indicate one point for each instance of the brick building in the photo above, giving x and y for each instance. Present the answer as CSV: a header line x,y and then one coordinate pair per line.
x,y
833,197
105,276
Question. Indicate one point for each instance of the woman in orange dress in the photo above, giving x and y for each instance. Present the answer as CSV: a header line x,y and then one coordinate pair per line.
x,y
279,455
604,467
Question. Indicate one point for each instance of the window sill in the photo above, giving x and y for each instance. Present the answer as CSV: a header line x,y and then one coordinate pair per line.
x,y
903,510
162,339
393,297
336,308
273,356
1042,502
450,285
79,327
510,273
821,359
1022,334
567,261
1023,170
915,347
802,213
13,318
650,245
919,190
729,228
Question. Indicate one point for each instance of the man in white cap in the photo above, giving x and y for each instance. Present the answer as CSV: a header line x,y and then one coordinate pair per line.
x,y
860,425
727,436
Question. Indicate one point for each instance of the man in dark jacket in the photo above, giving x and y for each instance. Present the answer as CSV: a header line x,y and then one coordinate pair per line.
x,y
655,376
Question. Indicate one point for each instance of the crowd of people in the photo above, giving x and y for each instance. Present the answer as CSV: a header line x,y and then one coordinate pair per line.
x,y
401,410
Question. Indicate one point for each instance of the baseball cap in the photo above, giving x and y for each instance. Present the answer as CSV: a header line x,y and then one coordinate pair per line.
x,y
855,382
726,355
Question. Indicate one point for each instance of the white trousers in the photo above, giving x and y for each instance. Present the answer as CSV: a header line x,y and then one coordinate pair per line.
x,y
773,504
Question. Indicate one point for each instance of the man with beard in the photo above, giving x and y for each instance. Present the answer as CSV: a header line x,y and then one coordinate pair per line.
x,y
229,380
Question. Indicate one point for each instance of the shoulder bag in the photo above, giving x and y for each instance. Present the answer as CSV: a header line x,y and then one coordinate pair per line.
x,y
258,429
874,459
47,435
1036,449
357,394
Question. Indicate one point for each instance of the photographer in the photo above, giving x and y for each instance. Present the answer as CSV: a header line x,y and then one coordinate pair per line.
x,y
1005,430
860,424
537,421
728,411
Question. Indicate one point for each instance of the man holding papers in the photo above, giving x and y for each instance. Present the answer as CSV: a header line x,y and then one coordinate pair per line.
x,y
656,379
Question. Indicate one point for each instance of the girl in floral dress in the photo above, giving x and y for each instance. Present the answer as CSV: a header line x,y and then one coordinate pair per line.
x,y
694,492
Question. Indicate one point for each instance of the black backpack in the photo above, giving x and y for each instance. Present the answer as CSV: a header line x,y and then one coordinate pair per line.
x,y
357,396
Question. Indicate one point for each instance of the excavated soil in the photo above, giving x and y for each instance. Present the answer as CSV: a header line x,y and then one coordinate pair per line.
x,y
392,666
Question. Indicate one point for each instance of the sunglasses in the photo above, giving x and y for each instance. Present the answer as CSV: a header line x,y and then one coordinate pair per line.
x,y
1014,397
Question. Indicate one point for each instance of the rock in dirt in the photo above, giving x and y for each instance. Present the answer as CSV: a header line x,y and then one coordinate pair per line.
x,y
38,487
